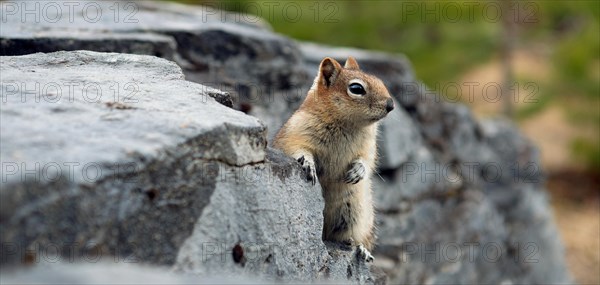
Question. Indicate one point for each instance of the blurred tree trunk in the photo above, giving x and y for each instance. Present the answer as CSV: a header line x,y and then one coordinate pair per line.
x,y
506,52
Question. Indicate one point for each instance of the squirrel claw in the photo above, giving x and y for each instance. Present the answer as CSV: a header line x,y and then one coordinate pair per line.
x,y
309,168
364,253
356,173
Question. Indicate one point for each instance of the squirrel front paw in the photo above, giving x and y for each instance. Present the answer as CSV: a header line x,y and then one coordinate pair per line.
x,y
308,165
356,172
364,253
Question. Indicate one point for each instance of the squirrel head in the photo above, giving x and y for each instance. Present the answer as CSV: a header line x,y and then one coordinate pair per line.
x,y
348,94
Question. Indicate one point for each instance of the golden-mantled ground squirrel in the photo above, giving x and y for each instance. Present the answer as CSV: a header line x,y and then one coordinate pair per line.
x,y
333,136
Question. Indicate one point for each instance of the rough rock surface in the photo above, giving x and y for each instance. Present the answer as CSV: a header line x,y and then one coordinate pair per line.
x,y
190,183
106,272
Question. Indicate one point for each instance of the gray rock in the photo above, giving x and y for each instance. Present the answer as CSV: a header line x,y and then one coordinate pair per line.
x,y
257,222
21,43
107,272
266,222
398,139
419,175
234,52
84,147
118,17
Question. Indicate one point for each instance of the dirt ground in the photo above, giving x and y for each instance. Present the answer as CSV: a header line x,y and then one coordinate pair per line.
x,y
574,192
576,202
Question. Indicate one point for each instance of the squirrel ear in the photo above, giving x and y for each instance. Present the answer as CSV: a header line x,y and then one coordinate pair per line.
x,y
329,70
351,63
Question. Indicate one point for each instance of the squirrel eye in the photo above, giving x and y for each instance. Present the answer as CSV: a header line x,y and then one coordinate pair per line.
x,y
356,88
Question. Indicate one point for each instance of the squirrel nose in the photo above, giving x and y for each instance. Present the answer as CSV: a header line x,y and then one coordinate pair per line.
x,y
389,106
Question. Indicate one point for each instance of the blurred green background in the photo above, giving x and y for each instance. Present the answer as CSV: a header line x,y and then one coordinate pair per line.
x,y
554,57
